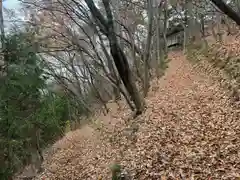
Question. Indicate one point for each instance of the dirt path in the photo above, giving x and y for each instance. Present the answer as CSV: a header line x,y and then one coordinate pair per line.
x,y
189,130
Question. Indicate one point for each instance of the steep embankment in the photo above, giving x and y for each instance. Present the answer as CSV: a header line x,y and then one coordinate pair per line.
x,y
189,130
222,61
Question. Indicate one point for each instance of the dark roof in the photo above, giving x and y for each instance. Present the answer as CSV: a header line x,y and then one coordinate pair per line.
x,y
174,30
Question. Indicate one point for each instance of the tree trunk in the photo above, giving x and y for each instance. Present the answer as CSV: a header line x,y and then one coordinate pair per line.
x,y
3,46
237,3
117,53
202,24
136,59
148,47
227,10
39,151
2,26
99,96
122,90
118,31
125,73
157,41
219,33
111,68
165,27
190,21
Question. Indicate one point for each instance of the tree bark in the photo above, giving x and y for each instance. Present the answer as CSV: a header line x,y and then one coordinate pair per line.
x,y
237,3
120,60
3,47
165,27
190,21
227,10
2,26
148,47
118,28
219,33
111,68
158,12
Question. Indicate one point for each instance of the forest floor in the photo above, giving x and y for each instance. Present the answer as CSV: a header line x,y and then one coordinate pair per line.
x,y
190,130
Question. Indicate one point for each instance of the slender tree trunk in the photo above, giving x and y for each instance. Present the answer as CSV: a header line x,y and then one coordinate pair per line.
x,y
136,60
202,24
126,75
120,60
39,150
228,25
2,26
111,68
158,13
213,30
99,96
165,27
202,30
219,33
185,36
190,21
118,28
125,95
113,81
148,48
3,43
123,91
156,54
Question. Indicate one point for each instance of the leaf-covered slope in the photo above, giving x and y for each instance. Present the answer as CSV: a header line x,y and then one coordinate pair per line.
x,y
189,130
222,61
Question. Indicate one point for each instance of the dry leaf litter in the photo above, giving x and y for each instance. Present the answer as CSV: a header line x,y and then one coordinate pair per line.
x,y
190,130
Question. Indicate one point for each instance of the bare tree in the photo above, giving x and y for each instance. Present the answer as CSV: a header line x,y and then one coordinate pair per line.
x,y
148,46
107,27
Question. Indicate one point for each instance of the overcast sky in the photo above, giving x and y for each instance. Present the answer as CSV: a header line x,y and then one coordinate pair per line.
x,y
11,4
14,6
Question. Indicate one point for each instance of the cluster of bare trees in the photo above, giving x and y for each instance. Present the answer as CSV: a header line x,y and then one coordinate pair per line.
x,y
92,52
111,49
110,42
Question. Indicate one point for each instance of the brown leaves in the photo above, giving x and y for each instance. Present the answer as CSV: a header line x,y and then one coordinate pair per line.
x,y
224,57
189,131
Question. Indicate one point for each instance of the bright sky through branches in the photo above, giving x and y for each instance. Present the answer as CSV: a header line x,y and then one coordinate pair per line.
x,y
11,4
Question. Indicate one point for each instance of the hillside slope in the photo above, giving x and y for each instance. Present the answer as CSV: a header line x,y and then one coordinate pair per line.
x,y
190,130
